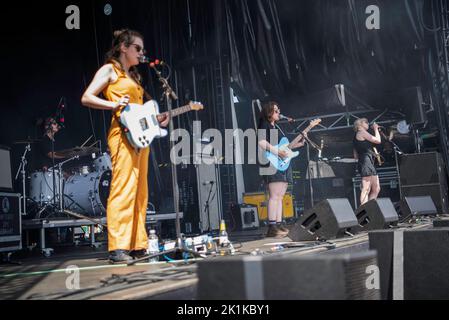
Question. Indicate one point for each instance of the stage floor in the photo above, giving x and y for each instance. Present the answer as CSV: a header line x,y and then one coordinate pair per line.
x,y
48,278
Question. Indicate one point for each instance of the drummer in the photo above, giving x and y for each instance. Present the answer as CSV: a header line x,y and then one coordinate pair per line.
x,y
48,144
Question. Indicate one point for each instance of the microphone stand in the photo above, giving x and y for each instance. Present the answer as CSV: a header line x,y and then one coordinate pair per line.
x,y
206,205
22,170
53,165
179,247
397,152
310,176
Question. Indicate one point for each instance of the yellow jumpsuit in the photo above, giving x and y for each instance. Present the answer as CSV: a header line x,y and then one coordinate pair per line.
x,y
128,197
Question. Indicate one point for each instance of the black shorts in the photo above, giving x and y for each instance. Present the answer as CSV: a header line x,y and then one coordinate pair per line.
x,y
279,176
366,166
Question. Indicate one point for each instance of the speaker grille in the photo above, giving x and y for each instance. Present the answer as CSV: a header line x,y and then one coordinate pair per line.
x,y
420,168
356,279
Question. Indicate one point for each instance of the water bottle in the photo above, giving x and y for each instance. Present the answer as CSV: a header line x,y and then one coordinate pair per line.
x,y
223,240
153,245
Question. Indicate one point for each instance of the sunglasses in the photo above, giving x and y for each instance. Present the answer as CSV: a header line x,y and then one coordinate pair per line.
x,y
139,48
277,111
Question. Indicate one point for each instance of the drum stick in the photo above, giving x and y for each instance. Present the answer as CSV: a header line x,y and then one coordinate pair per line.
x,y
86,142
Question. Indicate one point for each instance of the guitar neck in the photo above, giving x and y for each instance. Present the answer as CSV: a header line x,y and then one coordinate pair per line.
x,y
176,112
299,137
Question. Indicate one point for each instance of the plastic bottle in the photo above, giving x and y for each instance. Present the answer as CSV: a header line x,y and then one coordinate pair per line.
x,y
153,245
223,240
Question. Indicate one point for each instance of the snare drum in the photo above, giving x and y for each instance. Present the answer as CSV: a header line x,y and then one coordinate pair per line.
x,y
88,194
103,163
41,186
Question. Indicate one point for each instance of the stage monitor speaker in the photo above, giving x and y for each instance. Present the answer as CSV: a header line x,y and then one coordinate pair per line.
x,y
438,197
376,214
245,217
441,223
424,174
311,277
5,169
329,219
417,206
413,264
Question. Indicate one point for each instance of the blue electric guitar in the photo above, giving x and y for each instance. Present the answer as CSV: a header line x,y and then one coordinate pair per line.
x,y
282,164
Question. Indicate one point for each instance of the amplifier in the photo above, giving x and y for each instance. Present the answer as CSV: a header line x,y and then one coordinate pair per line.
x,y
260,200
10,222
245,217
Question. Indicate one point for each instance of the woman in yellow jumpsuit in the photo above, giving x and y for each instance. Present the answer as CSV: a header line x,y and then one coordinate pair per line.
x,y
119,82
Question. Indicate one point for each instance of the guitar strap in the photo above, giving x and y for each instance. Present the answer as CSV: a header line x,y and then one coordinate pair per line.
x,y
279,128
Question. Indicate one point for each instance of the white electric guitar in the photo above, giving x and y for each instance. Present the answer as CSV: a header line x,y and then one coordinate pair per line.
x,y
141,122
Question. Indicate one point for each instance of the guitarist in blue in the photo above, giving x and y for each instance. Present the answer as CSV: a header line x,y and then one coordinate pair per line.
x,y
277,182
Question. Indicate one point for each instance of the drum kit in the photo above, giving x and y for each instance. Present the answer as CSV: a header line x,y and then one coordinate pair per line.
x,y
81,188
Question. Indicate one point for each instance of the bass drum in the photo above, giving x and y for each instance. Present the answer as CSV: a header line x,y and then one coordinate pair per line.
x,y
88,194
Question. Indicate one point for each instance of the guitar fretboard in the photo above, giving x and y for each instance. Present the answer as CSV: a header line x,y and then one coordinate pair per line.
x,y
178,111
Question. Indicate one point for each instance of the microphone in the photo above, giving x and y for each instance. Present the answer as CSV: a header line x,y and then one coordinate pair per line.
x,y
282,117
59,117
321,148
144,59
205,183
153,64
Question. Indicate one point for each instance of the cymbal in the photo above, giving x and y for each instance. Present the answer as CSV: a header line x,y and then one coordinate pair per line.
x,y
26,141
77,151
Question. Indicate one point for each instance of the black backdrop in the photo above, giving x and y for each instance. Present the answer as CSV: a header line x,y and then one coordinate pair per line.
x,y
282,49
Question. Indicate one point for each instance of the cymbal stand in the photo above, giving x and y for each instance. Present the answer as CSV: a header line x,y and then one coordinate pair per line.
x,y
61,192
23,163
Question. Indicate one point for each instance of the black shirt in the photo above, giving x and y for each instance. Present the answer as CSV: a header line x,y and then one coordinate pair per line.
x,y
264,133
363,147
43,149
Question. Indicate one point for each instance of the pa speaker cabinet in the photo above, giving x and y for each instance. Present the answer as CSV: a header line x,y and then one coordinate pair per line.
x,y
311,277
424,174
425,262
245,217
10,222
376,214
329,219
